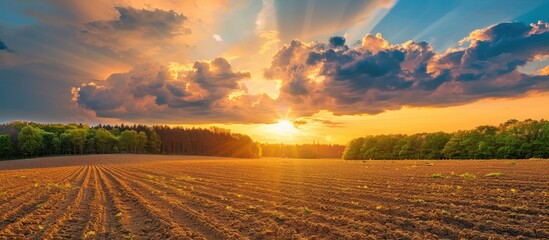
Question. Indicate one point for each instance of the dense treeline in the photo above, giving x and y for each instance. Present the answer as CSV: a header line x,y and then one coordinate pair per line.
x,y
303,150
209,142
27,139
510,140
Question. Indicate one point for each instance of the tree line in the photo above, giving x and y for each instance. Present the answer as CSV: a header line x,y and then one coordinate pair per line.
x,y
27,139
303,150
510,140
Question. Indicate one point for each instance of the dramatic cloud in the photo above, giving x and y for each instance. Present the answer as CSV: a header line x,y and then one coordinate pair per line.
x,y
545,70
65,43
136,29
376,76
324,122
367,78
203,92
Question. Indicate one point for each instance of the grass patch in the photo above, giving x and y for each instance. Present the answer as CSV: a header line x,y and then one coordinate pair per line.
x,y
250,210
186,178
306,211
468,176
437,175
4,196
278,216
418,200
512,163
150,177
89,234
494,175
59,186
521,208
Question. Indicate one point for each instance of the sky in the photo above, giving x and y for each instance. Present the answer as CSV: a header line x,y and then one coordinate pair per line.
x,y
281,71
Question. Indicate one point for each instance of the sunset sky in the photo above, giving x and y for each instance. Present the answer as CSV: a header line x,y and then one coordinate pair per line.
x,y
281,71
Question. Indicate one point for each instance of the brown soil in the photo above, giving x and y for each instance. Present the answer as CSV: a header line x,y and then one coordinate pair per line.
x,y
181,197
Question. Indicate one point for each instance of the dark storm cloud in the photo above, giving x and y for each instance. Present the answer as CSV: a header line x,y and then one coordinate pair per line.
x,y
149,23
377,76
3,46
137,29
337,41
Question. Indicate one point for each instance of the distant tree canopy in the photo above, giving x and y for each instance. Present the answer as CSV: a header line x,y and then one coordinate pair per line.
x,y
303,150
510,140
27,139
210,142
30,141
6,148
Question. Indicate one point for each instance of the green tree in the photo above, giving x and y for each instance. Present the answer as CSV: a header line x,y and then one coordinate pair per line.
x,y
74,139
352,151
78,138
455,148
433,145
51,142
141,142
6,147
128,141
154,143
104,141
66,145
30,141
411,147
115,132
369,149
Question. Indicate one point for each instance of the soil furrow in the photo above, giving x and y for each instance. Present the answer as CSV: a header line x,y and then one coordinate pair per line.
x,y
144,220
66,225
123,196
209,199
29,217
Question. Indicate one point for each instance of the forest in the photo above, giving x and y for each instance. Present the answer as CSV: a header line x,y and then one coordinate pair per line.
x,y
510,140
27,139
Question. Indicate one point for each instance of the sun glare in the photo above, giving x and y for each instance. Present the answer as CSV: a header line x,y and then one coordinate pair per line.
x,y
283,127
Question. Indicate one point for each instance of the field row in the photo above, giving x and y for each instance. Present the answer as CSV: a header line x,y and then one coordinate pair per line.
x,y
154,197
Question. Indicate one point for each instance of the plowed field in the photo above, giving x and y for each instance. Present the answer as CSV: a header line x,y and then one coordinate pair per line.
x,y
179,197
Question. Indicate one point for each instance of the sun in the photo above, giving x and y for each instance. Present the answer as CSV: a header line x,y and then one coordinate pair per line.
x,y
283,127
